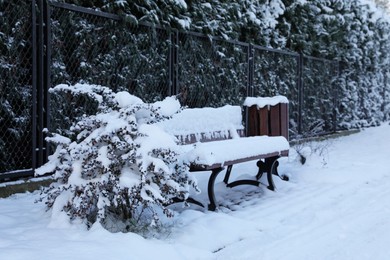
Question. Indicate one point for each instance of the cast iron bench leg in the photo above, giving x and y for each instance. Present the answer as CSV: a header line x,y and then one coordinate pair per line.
x,y
227,175
272,165
214,174
238,182
269,166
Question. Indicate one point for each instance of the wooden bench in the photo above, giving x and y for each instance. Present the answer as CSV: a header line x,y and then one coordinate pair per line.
x,y
214,139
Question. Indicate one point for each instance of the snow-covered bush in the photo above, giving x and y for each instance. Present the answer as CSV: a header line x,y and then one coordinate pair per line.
x,y
306,148
116,163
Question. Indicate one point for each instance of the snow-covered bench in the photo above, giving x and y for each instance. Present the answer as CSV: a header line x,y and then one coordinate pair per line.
x,y
215,138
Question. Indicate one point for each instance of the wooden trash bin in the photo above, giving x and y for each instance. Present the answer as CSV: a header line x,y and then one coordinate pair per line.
x,y
267,116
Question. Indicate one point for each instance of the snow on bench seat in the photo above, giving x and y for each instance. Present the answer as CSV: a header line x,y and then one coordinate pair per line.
x,y
223,153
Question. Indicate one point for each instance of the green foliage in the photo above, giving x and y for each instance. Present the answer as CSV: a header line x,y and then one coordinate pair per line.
x,y
15,86
353,33
127,55
96,50
349,31
212,73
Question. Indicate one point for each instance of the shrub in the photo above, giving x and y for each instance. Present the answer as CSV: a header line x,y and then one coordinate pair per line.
x,y
115,164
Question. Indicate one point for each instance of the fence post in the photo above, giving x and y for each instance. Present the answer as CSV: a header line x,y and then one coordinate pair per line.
x,y
40,87
34,83
300,92
250,60
47,68
337,71
41,58
173,63
249,88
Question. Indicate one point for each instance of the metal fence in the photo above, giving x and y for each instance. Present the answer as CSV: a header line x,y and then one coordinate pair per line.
x,y
60,43
319,101
16,90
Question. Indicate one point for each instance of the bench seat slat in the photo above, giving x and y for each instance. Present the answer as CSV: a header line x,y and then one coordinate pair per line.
x,y
227,152
202,167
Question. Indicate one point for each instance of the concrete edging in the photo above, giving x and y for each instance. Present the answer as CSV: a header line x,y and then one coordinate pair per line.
x,y
27,186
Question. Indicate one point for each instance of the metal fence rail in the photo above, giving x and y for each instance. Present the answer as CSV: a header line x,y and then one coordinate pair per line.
x,y
62,43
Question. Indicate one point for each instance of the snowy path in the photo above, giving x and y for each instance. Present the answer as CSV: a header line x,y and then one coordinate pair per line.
x,y
340,211
334,210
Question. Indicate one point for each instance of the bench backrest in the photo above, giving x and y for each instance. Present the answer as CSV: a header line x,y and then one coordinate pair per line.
x,y
205,124
265,116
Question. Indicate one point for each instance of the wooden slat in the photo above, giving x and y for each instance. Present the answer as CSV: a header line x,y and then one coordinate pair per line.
x,y
284,120
204,167
263,119
275,120
253,123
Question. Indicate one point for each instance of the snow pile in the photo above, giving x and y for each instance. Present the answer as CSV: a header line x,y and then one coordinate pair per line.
x,y
261,102
125,99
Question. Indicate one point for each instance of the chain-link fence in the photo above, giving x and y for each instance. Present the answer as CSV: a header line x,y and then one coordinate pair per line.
x,y
277,73
211,72
152,62
319,96
43,44
95,49
16,90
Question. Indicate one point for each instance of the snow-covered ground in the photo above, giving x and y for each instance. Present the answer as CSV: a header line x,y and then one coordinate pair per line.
x,y
336,206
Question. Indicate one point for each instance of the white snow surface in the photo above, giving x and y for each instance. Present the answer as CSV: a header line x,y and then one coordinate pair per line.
x,y
168,107
232,149
181,3
261,102
200,120
336,206
79,88
125,99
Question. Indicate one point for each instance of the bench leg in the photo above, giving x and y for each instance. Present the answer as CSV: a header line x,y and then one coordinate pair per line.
x,y
272,165
260,164
227,175
239,182
269,166
213,202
